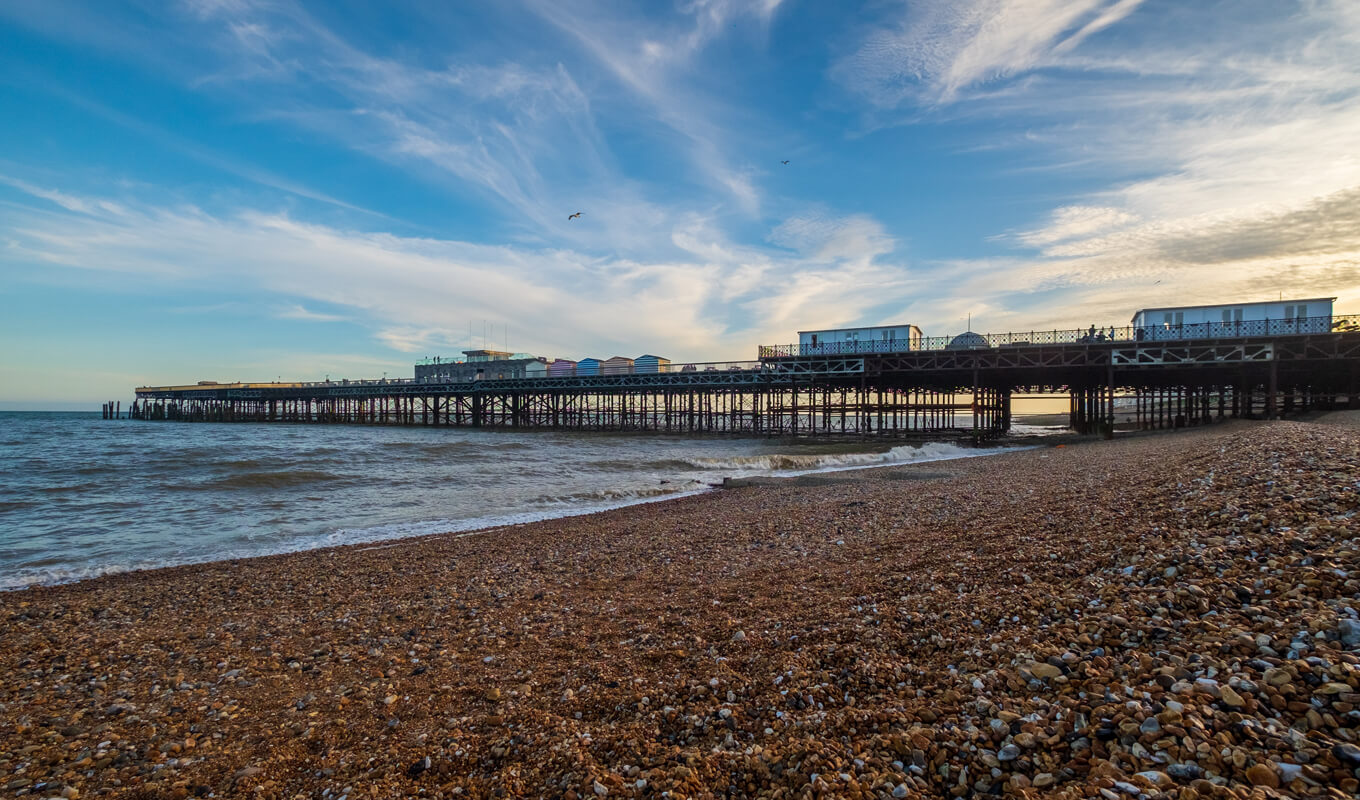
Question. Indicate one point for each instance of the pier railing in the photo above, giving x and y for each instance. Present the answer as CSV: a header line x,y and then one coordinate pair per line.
x,y
562,371
432,360
549,372
1090,335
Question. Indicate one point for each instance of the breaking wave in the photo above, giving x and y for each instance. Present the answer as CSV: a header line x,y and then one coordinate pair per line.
x,y
661,490
49,576
268,480
791,462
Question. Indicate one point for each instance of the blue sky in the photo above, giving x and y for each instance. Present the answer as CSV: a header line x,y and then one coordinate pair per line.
x,y
247,189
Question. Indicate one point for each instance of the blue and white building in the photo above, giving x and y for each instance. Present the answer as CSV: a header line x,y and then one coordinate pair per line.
x,y
847,341
1273,318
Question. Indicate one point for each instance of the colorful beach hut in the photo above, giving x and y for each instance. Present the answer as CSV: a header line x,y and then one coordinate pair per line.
x,y
588,366
618,365
562,366
651,363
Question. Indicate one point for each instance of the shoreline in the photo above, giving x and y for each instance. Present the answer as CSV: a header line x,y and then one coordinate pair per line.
x,y
477,525
953,628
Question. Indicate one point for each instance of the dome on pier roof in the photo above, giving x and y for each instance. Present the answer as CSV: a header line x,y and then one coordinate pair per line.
x,y
967,341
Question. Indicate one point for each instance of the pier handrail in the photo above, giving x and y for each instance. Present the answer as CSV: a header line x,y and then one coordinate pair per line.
x,y
431,360
1108,334
601,370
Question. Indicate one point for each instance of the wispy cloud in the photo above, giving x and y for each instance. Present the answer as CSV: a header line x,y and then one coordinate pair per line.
x,y
653,62
70,202
941,47
856,239
298,312
416,293
1070,222
519,129
514,132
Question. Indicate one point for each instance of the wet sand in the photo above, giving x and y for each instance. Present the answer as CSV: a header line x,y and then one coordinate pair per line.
x,y
1168,615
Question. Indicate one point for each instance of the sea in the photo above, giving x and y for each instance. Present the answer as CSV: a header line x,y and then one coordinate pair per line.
x,y
82,496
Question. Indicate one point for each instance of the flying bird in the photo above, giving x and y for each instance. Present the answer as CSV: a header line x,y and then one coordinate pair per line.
x,y
784,162
574,216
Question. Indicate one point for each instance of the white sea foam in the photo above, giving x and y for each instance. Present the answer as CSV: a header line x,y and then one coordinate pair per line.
x,y
1024,429
798,464
352,536
50,576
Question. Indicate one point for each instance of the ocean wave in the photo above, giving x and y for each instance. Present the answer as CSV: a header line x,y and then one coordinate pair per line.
x,y
264,480
66,489
92,470
795,462
15,505
1022,429
86,506
623,495
248,464
433,448
189,455
627,465
48,576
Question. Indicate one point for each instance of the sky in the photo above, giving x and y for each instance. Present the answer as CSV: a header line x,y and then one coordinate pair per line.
x,y
260,189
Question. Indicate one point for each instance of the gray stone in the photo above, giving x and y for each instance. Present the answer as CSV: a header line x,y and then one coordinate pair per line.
x,y
1185,772
1209,686
1347,753
1349,631
1288,772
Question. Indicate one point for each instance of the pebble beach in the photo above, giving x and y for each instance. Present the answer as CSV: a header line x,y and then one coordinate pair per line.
x,y
1158,616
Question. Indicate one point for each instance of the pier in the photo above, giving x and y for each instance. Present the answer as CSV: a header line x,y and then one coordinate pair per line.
x,y
936,389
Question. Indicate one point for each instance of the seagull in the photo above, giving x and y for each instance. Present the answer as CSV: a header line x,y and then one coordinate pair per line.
x,y
574,216
785,163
